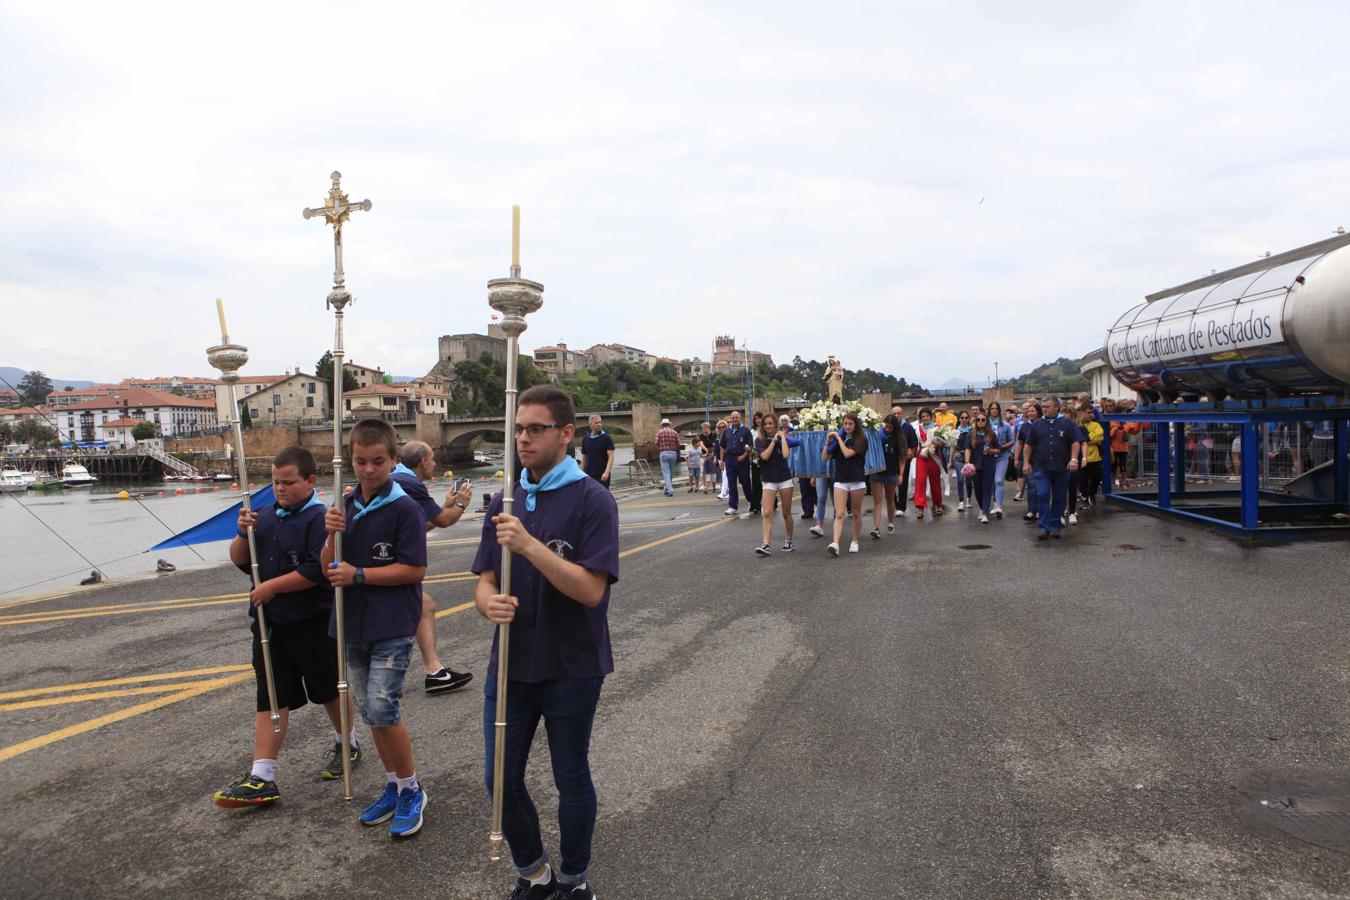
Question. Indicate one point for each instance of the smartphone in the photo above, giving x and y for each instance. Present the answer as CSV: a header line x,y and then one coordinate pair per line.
x,y
460,483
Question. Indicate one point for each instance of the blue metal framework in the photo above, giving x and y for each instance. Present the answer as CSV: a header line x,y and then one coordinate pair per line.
x,y
1257,512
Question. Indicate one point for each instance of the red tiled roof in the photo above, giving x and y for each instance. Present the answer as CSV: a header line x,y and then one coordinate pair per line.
x,y
123,423
373,389
140,397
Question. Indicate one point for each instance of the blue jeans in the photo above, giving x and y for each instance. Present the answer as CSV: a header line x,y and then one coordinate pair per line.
x,y
567,706
1052,492
824,491
1000,476
375,671
668,460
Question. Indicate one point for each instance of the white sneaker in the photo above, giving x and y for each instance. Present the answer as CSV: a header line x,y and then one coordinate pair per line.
x,y
817,531
961,506
900,513
852,546
834,549
1073,518
729,512
984,520
890,528
998,512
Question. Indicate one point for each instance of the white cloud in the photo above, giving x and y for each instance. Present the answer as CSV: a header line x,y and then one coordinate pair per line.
x,y
809,177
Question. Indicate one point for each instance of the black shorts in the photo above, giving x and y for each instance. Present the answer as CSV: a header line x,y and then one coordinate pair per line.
x,y
304,665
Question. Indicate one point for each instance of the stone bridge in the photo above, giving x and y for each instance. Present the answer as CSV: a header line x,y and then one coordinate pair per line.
x,y
456,437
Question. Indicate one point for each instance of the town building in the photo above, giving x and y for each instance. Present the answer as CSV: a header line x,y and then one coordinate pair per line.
x,y
457,348
171,414
189,385
119,432
8,399
559,359
292,398
1103,381
393,401
14,415
243,389
727,355
365,376
606,353
81,395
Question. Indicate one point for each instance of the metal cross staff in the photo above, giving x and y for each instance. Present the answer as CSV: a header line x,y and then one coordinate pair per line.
x,y
336,210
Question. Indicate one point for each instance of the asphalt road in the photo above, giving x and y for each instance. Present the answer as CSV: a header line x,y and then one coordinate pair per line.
x,y
1096,717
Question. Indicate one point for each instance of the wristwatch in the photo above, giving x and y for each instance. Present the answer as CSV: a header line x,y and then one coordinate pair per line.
x,y
360,576
460,505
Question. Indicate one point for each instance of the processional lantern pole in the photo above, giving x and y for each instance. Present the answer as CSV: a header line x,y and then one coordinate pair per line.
x,y
229,358
514,298
335,211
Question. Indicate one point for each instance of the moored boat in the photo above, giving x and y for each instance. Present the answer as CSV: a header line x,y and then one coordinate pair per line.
x,y
75,475
12,481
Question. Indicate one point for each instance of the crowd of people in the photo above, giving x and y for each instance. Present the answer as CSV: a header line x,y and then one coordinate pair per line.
x,y
1047,453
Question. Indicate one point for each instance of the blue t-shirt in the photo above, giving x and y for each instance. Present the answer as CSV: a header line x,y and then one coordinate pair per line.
x,y
292,544
394,533
850,469
414,488
775,469
595,453
553,636
1051,442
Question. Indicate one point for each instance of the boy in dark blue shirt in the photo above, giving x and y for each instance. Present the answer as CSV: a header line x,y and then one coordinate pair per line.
x,y
289,535
384,559
564,541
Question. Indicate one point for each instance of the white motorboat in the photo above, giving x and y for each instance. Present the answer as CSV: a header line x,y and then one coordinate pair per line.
x,y
12,481
76,475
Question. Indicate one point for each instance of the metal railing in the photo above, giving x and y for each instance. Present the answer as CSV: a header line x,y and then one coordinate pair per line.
x,y
1213,452
172,462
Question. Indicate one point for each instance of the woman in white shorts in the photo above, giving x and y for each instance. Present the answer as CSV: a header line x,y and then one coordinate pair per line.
x,y
848,448
774,446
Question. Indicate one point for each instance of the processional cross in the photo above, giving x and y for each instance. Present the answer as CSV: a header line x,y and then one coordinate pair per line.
x,y
337,209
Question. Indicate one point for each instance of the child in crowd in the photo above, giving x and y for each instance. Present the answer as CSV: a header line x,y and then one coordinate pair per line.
x,y
384,559
298,603
694,459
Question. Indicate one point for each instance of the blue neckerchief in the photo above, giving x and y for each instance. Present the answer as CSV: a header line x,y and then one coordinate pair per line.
x,y
401,469
962,429
564,473
381,499
282,512
597,434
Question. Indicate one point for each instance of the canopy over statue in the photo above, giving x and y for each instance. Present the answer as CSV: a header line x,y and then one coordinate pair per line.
x,y
834,380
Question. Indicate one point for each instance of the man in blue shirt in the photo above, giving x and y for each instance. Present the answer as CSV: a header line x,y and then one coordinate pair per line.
x,y
416,465
597,452
736,442
564,541
1052,447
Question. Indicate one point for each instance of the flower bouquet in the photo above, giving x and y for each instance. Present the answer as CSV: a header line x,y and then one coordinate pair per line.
x,y
820,419
946,435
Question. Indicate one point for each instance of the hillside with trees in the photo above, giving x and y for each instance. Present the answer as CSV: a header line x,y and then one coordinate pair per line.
x,y
1059,377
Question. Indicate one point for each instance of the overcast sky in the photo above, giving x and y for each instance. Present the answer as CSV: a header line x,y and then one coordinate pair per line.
x,y
923,189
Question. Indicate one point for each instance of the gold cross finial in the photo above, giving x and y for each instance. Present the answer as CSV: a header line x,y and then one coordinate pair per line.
x,y
337,209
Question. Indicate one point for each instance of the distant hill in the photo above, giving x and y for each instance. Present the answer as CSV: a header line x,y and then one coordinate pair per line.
x,y
1060,376
960,384
14,376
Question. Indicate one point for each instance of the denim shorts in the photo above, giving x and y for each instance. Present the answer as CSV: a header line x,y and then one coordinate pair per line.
x,y
375,671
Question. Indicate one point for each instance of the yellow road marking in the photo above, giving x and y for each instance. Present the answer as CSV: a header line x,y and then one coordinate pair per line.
x,y
34,618
671,537
61,734
131,679
137,603
196,689
92,695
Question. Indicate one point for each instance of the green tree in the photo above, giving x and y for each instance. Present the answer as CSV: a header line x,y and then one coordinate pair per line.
x,y
6,433
323,370
34,389
143,432
33,433
245,419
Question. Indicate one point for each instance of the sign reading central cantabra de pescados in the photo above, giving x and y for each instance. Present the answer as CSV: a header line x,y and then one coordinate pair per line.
x,y
1203,333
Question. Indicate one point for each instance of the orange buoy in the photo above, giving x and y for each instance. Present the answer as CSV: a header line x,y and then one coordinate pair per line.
x,y
234,485
160,494
196,490
178,490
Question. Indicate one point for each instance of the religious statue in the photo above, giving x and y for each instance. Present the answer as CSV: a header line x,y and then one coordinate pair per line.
x,y
834,380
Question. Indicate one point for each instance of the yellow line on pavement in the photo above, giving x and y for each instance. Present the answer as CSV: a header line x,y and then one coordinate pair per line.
x,y
93,695
61,734
442,613
670,537
137,603
131,679
34,618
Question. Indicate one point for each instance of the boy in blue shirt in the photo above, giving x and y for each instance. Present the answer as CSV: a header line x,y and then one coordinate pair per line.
x,y
384,559
289,535
564,540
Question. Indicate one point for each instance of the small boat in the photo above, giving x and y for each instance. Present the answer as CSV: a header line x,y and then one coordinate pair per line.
x,y
76,475
45,482
12,481
223,476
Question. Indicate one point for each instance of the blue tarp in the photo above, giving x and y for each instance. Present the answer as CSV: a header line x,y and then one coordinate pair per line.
x,y
220,527
806,462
